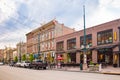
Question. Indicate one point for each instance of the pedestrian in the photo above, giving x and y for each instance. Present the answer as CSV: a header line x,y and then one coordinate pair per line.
x,y
81,65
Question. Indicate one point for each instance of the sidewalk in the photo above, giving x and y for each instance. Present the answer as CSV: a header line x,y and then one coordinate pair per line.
x,y
111,70
107,70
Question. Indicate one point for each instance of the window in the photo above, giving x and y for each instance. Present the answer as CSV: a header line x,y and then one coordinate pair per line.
x,y
88,40
52,34
71,43
52,43
119,33
59,46
49,45
105,37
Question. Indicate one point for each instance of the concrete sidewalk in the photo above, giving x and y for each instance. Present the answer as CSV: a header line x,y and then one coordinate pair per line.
x,y
111,70
107,70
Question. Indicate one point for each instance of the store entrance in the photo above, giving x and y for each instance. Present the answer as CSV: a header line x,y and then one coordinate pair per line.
x,y
105,56
89,57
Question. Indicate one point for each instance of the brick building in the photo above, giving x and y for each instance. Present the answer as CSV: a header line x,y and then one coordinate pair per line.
x,y
21,50
41,41
1,54
102,43
8,54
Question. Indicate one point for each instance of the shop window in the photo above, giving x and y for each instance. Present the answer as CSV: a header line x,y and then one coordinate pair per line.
x,y
71,44
105,37
88,40
59,46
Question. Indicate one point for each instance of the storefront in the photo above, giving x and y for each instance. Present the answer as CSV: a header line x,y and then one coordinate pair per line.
x,y
105,56
89,56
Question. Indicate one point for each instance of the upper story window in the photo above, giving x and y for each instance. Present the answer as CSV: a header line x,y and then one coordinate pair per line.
x,y
105,37
88,40
119,33
60,46
53,33
71,43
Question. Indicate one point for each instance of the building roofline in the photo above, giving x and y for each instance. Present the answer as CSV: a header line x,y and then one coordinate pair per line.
x,y
92,27
52,22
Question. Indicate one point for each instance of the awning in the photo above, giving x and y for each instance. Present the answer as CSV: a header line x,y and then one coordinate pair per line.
x,y
87,49
105,47
59,52
71,51
117,52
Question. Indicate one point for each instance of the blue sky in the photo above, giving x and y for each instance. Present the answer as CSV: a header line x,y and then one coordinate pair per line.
x,y
18,17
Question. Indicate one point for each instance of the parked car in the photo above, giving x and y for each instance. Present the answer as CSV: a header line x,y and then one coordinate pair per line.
x,y
25,64
18,64
12,63
1,63
38,64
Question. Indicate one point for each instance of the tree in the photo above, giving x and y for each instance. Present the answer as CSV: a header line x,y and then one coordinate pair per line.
x,y
31,57
24,57
16,59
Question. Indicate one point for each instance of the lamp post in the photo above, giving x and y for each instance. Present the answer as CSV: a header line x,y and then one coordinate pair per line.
x,y
84,50
39,45
20,52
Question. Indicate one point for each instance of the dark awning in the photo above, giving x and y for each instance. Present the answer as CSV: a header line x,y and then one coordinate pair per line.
x,y
59,52
71,51
87,49
117,52
105,47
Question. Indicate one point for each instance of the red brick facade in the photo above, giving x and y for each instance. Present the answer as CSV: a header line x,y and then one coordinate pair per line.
x,y
42,40
95,49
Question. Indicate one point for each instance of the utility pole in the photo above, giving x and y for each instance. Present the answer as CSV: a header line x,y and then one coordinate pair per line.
x,y
84,50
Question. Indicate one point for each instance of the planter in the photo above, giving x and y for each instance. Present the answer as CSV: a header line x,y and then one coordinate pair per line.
x,y
114,65
95,67
91,67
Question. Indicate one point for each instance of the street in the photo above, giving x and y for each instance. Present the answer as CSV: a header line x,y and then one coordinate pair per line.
x,y
14,73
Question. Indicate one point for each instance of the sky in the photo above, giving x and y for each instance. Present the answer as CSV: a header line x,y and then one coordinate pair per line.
x,y
18,17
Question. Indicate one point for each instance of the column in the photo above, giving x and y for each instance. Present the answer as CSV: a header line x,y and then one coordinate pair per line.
x,y
94,56
65,57
115,57
77,57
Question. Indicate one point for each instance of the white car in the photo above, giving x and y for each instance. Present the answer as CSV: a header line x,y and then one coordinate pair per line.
x,y
18,64
1,63
24,64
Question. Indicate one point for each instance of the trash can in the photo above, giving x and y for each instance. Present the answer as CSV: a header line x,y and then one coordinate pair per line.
x,y
81,66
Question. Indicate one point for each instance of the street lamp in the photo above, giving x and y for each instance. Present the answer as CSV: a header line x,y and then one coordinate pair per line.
x,y
84,49
19,49
39,45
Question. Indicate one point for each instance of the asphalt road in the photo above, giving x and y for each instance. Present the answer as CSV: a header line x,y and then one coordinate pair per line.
x,y
13,73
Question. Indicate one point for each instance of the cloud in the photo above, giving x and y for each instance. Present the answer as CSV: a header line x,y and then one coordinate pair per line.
x,y
5,11
26,15
107,10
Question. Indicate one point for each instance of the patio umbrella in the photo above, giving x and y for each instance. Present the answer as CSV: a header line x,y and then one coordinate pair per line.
x,y
59,58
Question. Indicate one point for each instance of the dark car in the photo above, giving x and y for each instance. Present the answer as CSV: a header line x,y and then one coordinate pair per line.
x,y
12,63
38,64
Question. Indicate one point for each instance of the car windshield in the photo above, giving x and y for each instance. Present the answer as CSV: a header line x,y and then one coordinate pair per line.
x,y
38,61
27,62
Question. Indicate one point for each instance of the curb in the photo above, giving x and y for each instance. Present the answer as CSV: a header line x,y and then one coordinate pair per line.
x,y
77,71
109,73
